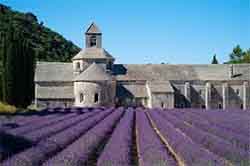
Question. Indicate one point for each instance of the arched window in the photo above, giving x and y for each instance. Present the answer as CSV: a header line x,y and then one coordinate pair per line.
x,y
81,97
96,98
78,65
93,41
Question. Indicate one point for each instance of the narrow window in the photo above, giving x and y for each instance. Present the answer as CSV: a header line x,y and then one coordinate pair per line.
x,y
92,41
200,92
96,98
78,66
109,66
81,97
237,92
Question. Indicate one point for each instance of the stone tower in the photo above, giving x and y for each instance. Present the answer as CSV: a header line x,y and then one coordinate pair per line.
x,y
94,87
94,84
93,37
93,52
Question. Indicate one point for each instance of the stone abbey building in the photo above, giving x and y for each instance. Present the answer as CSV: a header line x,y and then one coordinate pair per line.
x,y
93,79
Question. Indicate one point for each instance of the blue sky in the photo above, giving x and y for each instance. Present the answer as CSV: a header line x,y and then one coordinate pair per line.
x,y
150,31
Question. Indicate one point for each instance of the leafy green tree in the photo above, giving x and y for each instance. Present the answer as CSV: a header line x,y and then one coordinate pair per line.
x,y
215,61
52,45
236,55
246,56
239,56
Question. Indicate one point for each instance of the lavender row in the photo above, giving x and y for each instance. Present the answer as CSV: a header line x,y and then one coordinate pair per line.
x,y
43,115
233,113
47,131
21,138
79,152
239,126
225,115
39,124
117,152
237,140
191,153
54,144
211,142
21,120
151,150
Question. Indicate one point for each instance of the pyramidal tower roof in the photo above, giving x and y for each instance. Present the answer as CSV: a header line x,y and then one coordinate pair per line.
x,y
94,72
93,53
93,28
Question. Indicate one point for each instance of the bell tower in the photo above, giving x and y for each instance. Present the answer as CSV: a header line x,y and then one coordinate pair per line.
x,y
93,37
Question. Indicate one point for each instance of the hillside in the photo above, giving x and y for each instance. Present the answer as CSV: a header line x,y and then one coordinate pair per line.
x,y
50,45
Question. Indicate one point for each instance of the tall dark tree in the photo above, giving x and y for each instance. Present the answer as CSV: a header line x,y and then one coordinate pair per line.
x,y
3,59
18,69
9,67
215,61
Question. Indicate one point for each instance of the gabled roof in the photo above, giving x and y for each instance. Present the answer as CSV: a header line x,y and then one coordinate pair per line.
x,y
160,87
131,90
93,28
166,72
54,72
63,72
94,72
93,53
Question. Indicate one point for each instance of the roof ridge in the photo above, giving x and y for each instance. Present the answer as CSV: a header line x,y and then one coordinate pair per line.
x,y
93,28
94,72
44,62
93,53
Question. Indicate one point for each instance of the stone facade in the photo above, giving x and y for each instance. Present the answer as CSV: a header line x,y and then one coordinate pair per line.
x,y
92,79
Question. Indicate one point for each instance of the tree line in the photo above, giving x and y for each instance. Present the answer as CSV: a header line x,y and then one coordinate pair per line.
x,y
237,56
23,40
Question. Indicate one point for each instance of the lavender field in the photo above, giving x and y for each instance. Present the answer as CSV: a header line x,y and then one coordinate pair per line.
x,y
126,137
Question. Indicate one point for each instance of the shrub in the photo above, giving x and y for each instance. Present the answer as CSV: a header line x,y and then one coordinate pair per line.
x,y
7,109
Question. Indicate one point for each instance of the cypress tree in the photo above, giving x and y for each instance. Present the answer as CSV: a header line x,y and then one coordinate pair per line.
x,y
2,57
19,63
215,61
26,69
10,68
30,74
18,59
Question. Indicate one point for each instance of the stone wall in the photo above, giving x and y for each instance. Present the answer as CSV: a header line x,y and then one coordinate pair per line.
x,y
89,90
219,94
52,103
163,100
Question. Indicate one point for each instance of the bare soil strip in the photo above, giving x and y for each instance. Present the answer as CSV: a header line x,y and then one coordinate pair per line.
x,y
178,159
